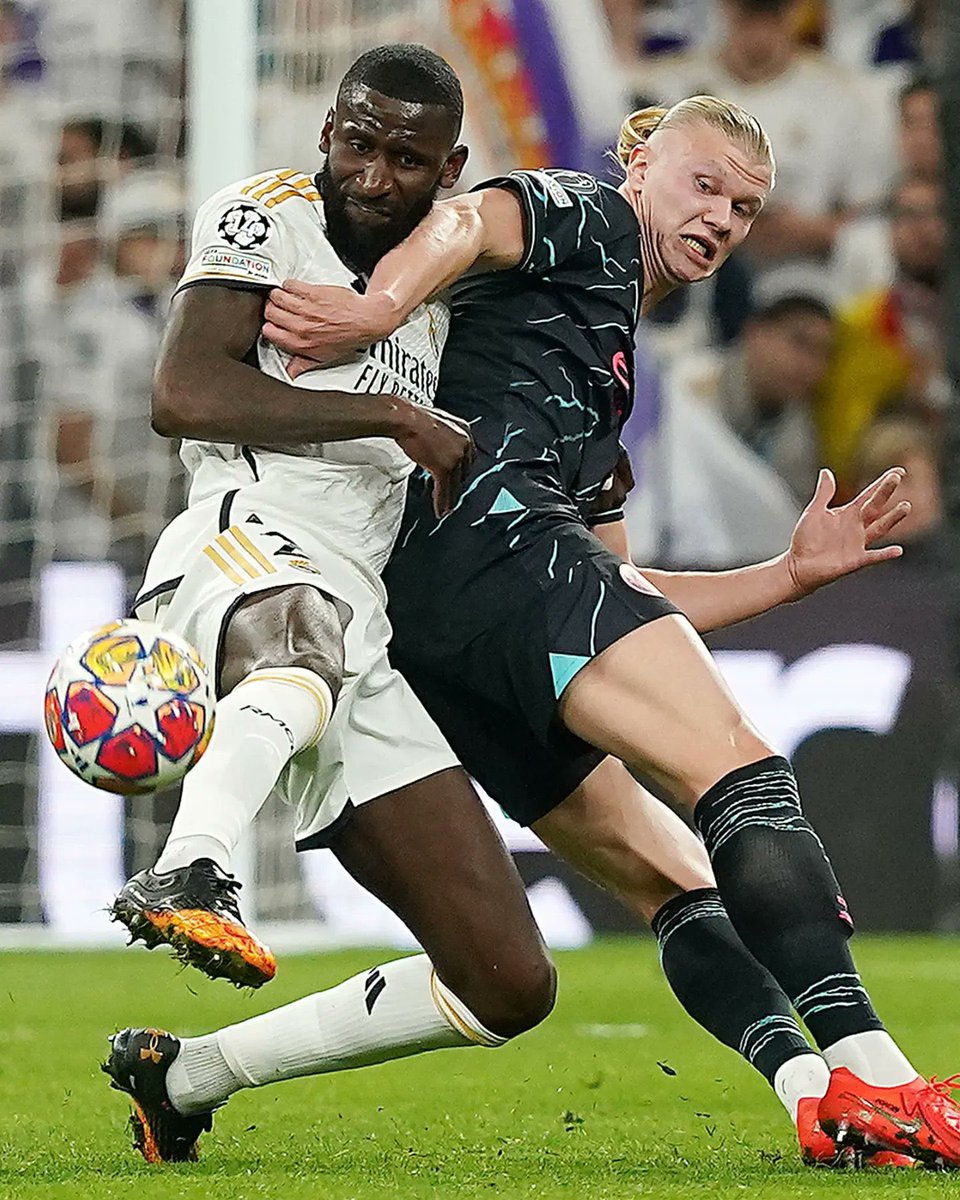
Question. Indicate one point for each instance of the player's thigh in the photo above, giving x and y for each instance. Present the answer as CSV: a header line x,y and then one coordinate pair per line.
x,y
296,625
656,700
623,838
430,852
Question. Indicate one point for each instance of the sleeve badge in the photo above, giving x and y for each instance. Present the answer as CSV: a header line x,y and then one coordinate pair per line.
x,y
244,226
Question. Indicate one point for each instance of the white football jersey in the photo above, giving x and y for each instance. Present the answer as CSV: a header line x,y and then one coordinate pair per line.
x,y
269,228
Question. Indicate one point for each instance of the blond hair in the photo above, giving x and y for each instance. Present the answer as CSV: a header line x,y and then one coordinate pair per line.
x,y
738,125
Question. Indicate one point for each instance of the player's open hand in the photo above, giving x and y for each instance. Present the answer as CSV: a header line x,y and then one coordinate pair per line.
x,y
443,445
830,542
321,322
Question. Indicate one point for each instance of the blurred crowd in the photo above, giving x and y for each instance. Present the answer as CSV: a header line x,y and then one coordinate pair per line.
x,y
822,344
91,241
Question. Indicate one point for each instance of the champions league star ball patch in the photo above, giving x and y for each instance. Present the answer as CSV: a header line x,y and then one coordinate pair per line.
x,y
244,226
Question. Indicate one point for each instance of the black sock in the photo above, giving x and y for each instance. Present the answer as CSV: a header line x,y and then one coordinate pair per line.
x,y
722,986
783,897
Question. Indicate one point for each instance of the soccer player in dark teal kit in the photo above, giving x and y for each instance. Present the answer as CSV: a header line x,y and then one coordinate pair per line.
x,y
540,651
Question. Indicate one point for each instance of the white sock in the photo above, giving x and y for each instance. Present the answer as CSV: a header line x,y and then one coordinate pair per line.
x,y
799,1077
394,1010
873,1056
269,717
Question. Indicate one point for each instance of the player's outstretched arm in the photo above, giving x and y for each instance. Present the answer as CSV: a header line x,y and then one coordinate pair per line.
x,y
827,543
204,389
479,231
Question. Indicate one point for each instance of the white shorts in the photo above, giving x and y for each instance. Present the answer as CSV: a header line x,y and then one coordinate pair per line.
x,y
251,539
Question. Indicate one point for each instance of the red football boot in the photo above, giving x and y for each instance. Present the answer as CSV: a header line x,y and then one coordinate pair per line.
x,y
891,1158
818,1149
918,1118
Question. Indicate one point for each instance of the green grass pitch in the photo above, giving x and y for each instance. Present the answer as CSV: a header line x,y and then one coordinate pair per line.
x,y
586,1106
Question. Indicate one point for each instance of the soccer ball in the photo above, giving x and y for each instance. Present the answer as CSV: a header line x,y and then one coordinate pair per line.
x,y
129,707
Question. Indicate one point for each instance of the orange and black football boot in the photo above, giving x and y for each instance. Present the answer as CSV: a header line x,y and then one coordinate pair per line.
x,y
194,910
138,1064
818,1149
917,1118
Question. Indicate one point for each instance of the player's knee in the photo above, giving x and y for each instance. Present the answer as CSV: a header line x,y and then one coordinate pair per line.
x,y
290,627
647,900
324,661
728,748
529,996
518,997
315,636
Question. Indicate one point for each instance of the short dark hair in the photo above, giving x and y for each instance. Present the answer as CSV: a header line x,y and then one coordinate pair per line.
x,y
406,71
795,304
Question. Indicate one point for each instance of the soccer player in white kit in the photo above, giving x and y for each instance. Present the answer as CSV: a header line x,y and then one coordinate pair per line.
x,y
272,572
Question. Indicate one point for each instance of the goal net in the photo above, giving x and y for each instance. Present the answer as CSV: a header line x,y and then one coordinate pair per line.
x,y
96,122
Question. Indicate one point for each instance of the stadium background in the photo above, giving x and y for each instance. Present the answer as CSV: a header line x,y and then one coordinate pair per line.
x,y
825,344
